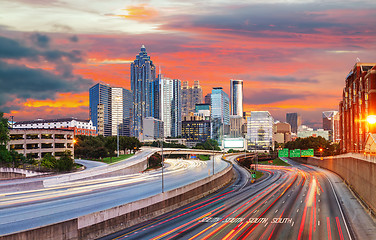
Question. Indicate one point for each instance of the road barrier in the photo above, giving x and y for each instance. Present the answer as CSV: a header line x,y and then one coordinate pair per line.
x,y
102,223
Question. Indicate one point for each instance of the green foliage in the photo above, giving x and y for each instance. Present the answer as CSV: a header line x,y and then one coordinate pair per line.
x,y
66,162
208,145
99,147
4,130
204,157
155,160
230,150
48,161
316,143
5,156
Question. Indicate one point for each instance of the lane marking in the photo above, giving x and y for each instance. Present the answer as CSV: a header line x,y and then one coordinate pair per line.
x,y
340,209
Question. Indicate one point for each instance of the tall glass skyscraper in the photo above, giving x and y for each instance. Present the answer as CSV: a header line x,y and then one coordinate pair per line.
x,y
260,130
220,114
236,88
100,108
190,97
294,120
143,87
110,109
170,92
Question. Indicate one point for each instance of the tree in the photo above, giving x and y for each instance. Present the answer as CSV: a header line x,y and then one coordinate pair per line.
x,y
65,163
316,143
209,144
111,145
5,156
155,160
48,161
4,130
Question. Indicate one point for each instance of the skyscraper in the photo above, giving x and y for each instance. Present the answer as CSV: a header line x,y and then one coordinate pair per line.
x,y
100,108
208,98
236,94
116,109
110,109
330,122
294,120
220,114
196,95
143,87
190,97
170,106
260,130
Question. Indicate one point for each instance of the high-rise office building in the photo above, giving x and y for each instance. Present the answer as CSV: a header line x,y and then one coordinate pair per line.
x,y
330,122
143,88
236,94
294,120
220,114
116,109
190,96
358,102
110,109
100,108
126,126
170,106
260,131
195,129
196,95
208,98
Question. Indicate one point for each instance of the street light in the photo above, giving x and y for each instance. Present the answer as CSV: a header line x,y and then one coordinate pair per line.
x,y
213,155
371,119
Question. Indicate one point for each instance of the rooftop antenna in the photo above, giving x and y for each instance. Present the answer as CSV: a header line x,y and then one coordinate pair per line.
x,y
357,59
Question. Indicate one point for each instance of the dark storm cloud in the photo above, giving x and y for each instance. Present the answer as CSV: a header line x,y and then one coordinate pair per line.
x,y
271,96
10,48
24,83
40,40
286,79
73,38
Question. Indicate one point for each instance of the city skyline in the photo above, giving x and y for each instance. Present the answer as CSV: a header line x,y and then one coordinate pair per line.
x,y
285,53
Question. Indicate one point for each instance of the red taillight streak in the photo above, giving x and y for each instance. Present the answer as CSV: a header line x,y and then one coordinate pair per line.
x,y
328,228
339,229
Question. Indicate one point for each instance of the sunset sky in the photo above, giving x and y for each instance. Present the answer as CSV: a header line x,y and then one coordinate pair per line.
x,y
292,55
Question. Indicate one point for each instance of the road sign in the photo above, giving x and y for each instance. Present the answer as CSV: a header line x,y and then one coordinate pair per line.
x,y
295,153
283,153
307,153
253,175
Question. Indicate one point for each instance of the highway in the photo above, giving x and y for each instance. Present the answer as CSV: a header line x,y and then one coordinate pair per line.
x,y
297,202
24,210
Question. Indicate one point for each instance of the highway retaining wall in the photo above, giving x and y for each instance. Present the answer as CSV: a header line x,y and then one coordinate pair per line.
x,y
358,172
108,221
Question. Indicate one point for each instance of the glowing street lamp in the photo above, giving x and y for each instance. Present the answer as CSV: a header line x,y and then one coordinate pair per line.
x,y
371,119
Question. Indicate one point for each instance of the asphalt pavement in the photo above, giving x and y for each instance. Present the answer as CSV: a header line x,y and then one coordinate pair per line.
x,y
297,202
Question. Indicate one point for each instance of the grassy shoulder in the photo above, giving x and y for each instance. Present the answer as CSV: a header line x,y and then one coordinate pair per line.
x,y
204,157
276,162
108,160
259,174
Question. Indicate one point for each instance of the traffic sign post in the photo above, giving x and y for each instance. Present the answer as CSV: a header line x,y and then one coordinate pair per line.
x,y
283,153
307,153
295,153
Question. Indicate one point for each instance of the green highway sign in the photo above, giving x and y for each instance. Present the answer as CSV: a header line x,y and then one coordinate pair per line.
x,y
283,153
307,153
253,175
295,153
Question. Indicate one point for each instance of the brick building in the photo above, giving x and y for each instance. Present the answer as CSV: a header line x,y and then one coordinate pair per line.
x,y
358,102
